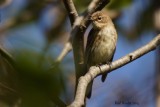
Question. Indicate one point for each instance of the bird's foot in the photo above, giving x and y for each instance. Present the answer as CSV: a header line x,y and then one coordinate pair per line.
x,y
98,65
109,64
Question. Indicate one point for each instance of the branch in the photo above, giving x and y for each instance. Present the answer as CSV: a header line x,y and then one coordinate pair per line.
x,y
67,48
95,71
72,12
96,5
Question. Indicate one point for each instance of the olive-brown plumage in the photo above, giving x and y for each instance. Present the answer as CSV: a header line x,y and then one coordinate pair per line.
x,y
101,43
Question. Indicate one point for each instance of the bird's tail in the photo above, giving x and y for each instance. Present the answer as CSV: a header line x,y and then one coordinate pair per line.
x,y
89,90
104,77
89,87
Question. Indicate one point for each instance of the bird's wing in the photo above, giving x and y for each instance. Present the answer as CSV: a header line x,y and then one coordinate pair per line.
x,y
105,74
90,41
113,54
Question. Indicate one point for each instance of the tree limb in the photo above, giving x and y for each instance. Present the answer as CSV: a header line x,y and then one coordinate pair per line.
x,y
95,71
72,12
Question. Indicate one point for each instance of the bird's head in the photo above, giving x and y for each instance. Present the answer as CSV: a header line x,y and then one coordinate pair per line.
x,y
100,19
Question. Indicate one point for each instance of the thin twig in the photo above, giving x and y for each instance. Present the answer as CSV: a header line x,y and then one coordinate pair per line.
x,y
6,55
67,48
8,88
95,71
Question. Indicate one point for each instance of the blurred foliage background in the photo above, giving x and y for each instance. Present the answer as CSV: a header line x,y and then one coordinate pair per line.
x,y
34,33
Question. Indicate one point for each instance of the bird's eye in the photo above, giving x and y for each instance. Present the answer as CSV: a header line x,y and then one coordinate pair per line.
x,y
99,18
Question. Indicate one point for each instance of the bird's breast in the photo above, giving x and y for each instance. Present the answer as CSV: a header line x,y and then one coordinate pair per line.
x,y
105,43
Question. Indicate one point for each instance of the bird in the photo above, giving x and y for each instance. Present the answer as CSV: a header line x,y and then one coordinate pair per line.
x,y
101,44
